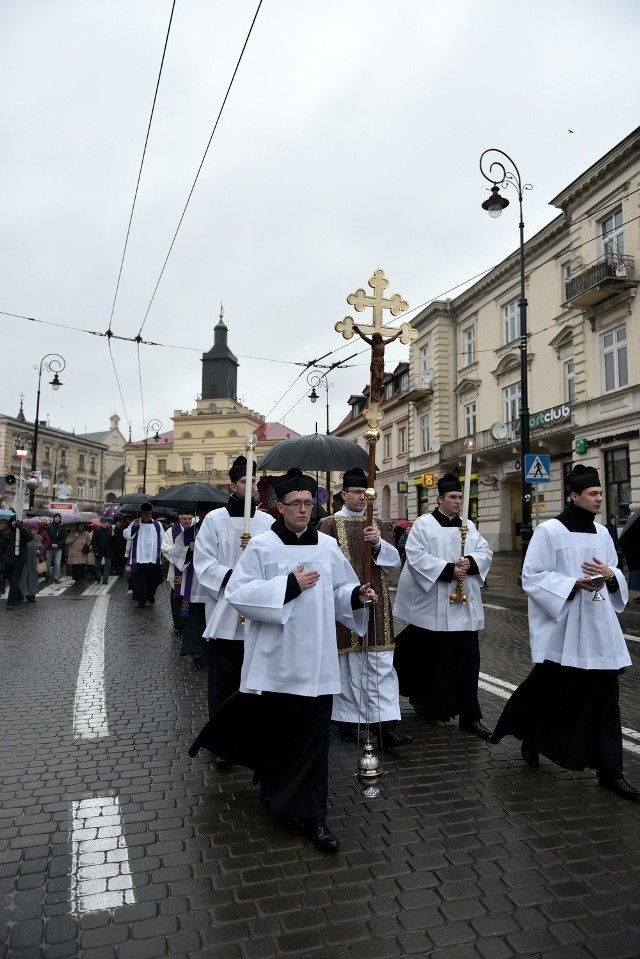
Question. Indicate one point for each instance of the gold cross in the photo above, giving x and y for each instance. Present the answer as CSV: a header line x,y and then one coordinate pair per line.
x,y
378,303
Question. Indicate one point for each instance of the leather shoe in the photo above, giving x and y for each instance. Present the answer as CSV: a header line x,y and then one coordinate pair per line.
x,y
621,787
223,766
393,740
477,728
529,754
348,733
321,836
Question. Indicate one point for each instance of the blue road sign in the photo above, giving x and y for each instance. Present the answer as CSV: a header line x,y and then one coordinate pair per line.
x,y
537,468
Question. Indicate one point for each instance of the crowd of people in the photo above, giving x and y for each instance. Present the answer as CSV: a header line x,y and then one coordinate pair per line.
x,y
294,623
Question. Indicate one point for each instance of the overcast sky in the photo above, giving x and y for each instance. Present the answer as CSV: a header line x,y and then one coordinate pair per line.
x,y
350,141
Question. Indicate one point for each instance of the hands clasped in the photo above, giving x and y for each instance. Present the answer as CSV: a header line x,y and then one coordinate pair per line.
x,y
593,568
461,568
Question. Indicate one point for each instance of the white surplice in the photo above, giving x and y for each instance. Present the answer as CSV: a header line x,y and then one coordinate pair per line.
x,y
573,632
291,647
218,549
422,599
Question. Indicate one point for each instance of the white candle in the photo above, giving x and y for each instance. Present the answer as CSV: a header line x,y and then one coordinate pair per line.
x,y
467,488
248,490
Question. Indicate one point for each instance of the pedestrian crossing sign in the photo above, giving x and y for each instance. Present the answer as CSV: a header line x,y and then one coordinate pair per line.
x,y
537,468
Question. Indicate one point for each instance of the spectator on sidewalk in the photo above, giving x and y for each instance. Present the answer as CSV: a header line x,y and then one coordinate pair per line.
x,y
57,536
102,546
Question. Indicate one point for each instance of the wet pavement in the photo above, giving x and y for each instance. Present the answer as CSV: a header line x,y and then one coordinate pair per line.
x,y
115,845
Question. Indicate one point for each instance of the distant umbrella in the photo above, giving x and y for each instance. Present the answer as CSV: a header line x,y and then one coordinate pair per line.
x,y
188,495
629,540
110,511
41,512
318,451
7,514
133,498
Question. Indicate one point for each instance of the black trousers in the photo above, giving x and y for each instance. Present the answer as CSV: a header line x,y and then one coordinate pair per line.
x,y
145,581
225,666
179,621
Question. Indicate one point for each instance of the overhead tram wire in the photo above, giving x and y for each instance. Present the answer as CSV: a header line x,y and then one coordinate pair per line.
x,y
204,156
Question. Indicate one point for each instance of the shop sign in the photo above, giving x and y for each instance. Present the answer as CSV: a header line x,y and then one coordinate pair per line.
x,y
546,418
512,466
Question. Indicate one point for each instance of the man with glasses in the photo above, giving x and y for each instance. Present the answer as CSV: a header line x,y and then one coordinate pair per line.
x,y
369,681
291,584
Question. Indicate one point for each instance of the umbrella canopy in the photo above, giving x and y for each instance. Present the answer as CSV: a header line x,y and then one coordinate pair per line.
x,y
41,512
188,495
33,522
319,451
629,540
70,518
403,523
133,498
111,511
7,514
157,512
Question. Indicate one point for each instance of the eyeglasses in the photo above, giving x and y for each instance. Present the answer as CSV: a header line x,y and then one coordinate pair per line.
x,y
300,504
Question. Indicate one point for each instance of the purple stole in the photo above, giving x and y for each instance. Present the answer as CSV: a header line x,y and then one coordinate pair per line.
x,y
188,537
134,560
176,529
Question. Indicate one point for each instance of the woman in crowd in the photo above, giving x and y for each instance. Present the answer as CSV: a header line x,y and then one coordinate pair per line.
x,y
79,546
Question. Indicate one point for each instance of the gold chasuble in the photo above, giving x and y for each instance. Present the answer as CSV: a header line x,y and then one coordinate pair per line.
x,y
349,532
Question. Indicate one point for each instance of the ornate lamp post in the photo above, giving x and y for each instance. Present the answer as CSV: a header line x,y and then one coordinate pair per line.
x,y
52,363
154,425
21,441
496,173
315,379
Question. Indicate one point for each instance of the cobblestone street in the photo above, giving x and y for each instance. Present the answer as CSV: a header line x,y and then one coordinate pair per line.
x,y
115,845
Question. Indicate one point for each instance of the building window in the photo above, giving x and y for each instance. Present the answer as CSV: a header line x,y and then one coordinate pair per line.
x,y
510,321
388,390
80,489
402,439
618,482
208,463
186,464
470,419
80,461
570,381
424,359
63,457
208,435
162,466
140,467
511,402
92,491
387,446
186,436
47,454
469,345
232,433
614,359
404,382
425,435
613,234
92,464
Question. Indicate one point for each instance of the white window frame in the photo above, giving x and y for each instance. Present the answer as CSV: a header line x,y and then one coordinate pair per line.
x,y
92,491
186,464
80,489
612,234
208,463
469,348
388,446
162,466
510,321
615,359
470,418
425,434
511,399
402,439
424,359
569,369
388,390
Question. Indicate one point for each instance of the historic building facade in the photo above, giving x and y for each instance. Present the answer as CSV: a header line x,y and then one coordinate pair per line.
x,y
583,322
204,441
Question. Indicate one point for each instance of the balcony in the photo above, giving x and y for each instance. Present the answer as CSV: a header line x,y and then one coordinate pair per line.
x,y
188,475
610,275
410,389
555,420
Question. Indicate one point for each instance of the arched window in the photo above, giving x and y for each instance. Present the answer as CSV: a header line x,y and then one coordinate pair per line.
x,y
386,502
232,433
110,497
208,435
186,436
160,489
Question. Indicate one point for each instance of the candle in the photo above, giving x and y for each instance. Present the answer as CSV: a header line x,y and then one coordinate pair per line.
x,y
248,490
469,447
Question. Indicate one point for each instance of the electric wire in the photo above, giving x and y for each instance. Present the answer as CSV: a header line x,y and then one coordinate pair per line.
x,y
193,185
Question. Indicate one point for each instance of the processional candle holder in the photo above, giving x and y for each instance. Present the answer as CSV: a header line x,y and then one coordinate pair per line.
x,y
458,595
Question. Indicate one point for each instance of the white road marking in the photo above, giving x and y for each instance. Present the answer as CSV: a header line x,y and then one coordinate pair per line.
x,y
491,606
630,638
100,869
98,589
89,704
501,689
56,589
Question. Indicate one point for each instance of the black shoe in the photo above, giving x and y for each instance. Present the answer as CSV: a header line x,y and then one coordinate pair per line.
x,y
621,787
321,836
198,662
348,733
475,727
393,740
141,605
529,754
223,766
152,601
297,825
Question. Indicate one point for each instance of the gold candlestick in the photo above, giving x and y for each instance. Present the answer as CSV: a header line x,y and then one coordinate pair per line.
x,y
458,595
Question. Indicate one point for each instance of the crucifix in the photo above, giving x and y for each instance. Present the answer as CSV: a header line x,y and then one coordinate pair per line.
x,y
377,339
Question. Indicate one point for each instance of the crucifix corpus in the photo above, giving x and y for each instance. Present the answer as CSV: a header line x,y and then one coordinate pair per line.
x,y
376,336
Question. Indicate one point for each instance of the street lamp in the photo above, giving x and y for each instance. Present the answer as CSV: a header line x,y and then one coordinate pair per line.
x,y
151,425
21,441
315,379
500,176
52,363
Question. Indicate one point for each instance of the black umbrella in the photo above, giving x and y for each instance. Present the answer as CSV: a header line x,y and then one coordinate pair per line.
x,y
188,495
133,498
157,512
629,540
41,512
319,451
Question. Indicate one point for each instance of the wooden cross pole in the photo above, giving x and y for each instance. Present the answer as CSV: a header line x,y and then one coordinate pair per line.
x,y
379,336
